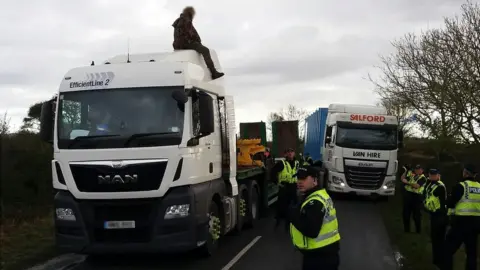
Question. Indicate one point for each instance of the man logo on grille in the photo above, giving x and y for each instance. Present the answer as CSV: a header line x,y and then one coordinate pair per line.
x,y
117,164
117,179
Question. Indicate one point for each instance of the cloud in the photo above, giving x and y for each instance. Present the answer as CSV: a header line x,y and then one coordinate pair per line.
x,y
316,60
274,52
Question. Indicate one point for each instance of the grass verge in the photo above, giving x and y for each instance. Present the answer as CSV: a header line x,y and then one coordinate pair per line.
x,y
414,248
26,243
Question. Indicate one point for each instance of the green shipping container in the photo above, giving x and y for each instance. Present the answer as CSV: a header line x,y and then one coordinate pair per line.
x,y
284,135
254,130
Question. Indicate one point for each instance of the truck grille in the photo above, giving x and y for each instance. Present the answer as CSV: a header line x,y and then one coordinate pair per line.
x,y
148,177
141,213
364,178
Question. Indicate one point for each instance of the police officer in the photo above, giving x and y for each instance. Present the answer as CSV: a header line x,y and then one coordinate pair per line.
x,y
464,203
308,161
407,170
412,199
435,197
287,193
314,225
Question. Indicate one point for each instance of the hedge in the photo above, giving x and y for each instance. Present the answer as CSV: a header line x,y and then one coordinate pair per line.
x,y
25,173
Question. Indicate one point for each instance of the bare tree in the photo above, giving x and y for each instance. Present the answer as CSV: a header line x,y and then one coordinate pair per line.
x,y
291,112
436,75
403,112
4,124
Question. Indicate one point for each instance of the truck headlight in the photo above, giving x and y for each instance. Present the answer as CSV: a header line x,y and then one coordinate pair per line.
x,y
65,214
337,180
177,211
389,184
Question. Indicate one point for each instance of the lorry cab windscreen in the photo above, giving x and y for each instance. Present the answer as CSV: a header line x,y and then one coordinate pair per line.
x,y
115,116
367,138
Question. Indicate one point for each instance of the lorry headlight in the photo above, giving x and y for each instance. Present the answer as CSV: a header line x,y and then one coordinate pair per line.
x,y
389,184
337,180
177,211
65,214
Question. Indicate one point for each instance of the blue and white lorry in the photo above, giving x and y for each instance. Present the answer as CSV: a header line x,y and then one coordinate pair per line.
x,y
357,146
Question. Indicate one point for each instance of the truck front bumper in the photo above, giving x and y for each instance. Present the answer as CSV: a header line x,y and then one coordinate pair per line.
x,y
337,183
152,233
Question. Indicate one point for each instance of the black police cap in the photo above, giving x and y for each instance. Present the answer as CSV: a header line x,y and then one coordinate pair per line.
x,y
304,172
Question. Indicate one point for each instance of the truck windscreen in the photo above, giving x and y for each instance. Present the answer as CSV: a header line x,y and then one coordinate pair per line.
x,y
366,137
119,118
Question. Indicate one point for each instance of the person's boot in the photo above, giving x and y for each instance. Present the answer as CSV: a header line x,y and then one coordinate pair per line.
x,y
216,75
213,71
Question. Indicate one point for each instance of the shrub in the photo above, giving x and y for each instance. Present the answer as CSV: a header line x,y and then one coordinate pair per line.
x,y
26,185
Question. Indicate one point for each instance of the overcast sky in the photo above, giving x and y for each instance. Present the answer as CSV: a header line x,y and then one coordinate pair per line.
x,y
309,53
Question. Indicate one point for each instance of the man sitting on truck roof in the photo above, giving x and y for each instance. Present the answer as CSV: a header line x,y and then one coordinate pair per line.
x,y
186,37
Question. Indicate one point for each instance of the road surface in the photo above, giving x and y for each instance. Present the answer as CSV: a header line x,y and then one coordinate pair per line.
x,y
364,245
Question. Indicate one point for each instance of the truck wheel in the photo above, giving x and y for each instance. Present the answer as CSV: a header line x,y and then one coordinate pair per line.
x,y
242,207
253,205
214,231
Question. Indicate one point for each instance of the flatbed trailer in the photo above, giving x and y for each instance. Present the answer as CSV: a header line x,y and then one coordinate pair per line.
x,y
262,175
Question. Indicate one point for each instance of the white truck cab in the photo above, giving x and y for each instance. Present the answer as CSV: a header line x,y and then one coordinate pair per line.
x,y
360,150
145,157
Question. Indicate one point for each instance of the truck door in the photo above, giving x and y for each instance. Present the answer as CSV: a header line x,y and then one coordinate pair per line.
x,y
329,146
211,156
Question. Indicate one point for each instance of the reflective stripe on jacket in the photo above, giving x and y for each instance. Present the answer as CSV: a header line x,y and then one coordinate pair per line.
x,y
286,175
328,234
432,202
413,179
469,204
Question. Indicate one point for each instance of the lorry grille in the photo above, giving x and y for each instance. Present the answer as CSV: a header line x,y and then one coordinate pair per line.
x,y
364,178
141,213
134,177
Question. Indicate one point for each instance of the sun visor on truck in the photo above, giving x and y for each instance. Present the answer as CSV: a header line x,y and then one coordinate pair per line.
x,y
345,124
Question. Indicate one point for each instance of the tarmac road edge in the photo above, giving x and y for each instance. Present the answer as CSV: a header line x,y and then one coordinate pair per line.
x,y
62,262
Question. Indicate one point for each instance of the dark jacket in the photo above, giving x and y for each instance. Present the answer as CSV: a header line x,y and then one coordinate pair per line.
x,y
184,33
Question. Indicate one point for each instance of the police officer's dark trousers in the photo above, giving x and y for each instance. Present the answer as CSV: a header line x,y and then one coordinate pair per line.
x,y
287,195
438,227
412,206
464,230
326,258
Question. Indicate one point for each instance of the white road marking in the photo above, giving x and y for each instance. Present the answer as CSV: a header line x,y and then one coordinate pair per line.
x,y
65,261
241,253
272,201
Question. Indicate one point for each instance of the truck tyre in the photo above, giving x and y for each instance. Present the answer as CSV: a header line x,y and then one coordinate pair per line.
x,y
253,206
214,230
242,207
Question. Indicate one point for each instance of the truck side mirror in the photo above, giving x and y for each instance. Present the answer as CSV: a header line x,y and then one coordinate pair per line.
x,y
180,96
328,140
205,103
46,121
